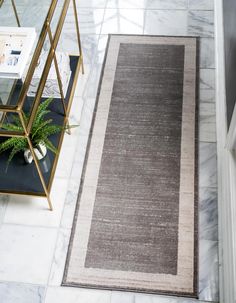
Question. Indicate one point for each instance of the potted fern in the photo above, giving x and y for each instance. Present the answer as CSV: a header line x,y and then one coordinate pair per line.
x,y
41,130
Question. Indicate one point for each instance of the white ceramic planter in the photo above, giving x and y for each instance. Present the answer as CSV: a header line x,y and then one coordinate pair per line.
x,y
40,152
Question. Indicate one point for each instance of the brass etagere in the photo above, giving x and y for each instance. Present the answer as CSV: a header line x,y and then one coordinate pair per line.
x,y
9,182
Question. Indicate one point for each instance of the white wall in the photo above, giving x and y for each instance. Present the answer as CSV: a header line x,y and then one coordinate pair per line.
x,y
226,175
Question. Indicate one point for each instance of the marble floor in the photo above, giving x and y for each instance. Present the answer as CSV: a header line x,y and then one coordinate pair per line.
x,y
34,241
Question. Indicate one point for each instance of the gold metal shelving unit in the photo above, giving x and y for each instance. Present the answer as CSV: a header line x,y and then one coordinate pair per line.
x,y
33,179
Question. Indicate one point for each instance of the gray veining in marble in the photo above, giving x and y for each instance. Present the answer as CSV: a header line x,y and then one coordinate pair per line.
x,y
208,270
207,95
201,4
207,125
208,218
201,23
59,257
165,22
207,165
207,53
149,4
21,293
207,79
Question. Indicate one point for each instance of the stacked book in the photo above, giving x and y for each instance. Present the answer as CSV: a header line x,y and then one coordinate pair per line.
x,y
15,48
51,88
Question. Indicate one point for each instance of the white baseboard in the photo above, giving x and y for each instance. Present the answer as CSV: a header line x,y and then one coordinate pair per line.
x,y
226,174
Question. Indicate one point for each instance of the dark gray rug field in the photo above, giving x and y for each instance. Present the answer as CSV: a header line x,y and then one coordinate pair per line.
x,y
135,224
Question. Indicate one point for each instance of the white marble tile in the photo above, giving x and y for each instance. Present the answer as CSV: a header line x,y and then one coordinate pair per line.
x,y
123,21
86,117
21,293
70,204
201,4
207,165
207,95
102,43
90,48
75,114
148,4
207,122
79,159
208,272
207,53
3,205
124,297
82,81
93,46
90,21
165,22
7,15
87,84
91,86
207,79
59,258
25,11
72,295
208,214
65,161
38,11
92,3
68,43
34,211
201,23
26,253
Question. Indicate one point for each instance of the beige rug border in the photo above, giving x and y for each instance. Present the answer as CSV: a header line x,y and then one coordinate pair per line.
x,y
136,280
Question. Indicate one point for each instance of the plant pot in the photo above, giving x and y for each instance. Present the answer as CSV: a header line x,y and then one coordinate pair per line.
x,y
40,152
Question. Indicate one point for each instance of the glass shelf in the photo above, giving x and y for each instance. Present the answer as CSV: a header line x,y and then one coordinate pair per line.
x,y
23,178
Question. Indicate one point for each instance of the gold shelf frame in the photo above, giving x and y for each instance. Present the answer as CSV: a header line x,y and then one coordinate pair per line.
x,y
51,58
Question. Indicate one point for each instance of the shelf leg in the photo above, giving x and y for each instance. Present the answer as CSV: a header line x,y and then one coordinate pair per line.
x,y
78,35
49,203
36,161
15,12
40,173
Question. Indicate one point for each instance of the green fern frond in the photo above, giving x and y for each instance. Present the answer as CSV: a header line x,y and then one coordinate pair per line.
x,y
49,130
40,127
41,130
50,146
10,143
42,111
12,127
19,146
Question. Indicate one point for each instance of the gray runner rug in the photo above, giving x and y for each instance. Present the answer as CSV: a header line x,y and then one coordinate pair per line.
x,y
135,226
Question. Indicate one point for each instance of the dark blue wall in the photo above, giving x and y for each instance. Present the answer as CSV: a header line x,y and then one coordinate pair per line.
x,y
229,11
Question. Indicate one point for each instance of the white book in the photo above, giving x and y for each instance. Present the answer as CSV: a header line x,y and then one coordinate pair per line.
x,y
15,48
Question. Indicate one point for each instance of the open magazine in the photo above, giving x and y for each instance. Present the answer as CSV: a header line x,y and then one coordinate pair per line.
x,y
15,47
